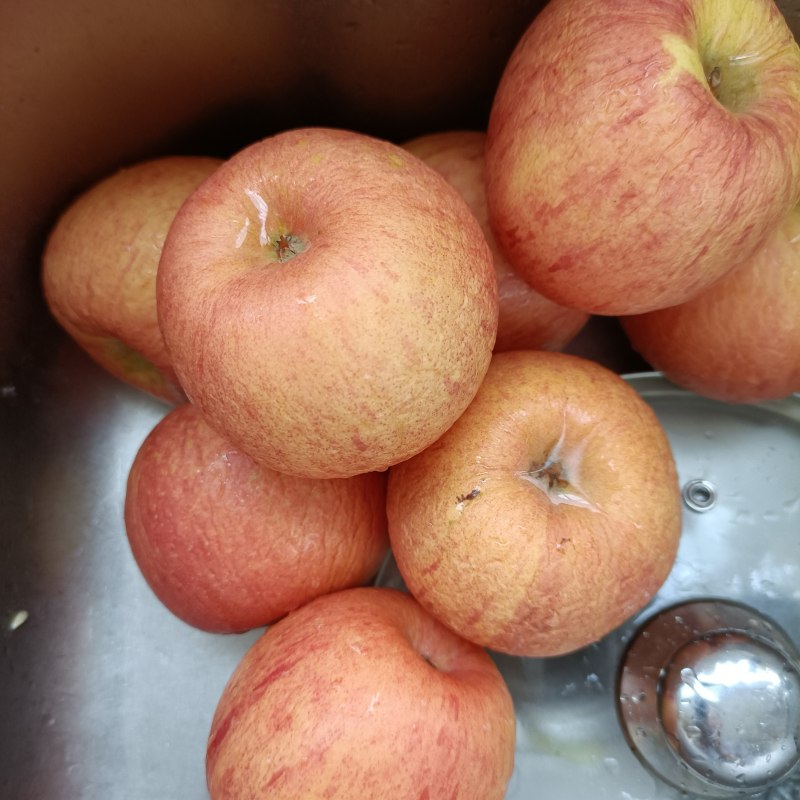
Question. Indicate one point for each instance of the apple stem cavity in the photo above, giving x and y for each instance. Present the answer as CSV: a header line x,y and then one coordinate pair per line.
x,y
731,82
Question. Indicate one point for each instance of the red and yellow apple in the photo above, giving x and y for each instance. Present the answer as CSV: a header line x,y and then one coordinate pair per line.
x,y
328,301
547,515
362,694
100,263
527,320
738,341
637,152
228,545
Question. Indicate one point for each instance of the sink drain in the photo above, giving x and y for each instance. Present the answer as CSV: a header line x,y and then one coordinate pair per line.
x,y
700,495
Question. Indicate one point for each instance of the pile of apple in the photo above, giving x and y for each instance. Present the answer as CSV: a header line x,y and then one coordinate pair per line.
x,y
361,342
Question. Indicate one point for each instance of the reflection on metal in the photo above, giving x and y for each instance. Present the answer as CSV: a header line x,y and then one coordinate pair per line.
x,y
709,699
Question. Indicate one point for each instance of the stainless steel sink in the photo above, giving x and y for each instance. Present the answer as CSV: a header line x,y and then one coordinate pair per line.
x,y
103,693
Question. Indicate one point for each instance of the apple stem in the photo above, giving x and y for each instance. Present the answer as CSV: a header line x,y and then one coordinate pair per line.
x,y
714,80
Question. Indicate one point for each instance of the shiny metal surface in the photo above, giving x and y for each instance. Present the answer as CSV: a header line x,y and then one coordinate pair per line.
x,y
103,693
709,699
729,706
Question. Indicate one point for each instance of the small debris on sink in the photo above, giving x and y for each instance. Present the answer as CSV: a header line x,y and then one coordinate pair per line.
x,y
18,619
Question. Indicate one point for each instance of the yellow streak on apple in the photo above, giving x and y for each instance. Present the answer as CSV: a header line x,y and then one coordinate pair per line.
x,y
687,59
395,160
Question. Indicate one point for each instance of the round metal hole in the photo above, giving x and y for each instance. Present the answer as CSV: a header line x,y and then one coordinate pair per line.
x,y
700,495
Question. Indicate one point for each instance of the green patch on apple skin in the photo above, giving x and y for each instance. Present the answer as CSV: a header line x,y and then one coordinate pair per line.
x,y
139,370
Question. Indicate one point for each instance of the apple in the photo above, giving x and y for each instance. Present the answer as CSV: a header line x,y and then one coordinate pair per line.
x,y
362,694
100,262
328,301
228,545
527,320
547,515
738,341
637,152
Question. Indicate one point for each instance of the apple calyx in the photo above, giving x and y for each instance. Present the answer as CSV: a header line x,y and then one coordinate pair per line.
x,y
551,478
428,660
287,246
558,475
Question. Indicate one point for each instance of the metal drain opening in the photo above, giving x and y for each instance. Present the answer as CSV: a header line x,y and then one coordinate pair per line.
x,y
700,495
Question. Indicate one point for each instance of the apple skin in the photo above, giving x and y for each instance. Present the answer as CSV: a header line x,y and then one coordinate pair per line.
x,y
527,320
617,180
362,694
546,516
329,302
228,545
100,262
738,341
